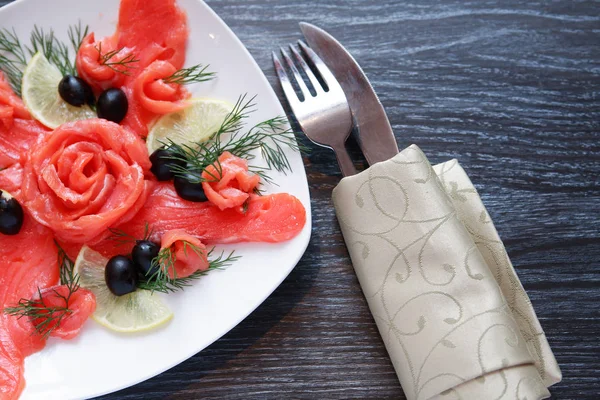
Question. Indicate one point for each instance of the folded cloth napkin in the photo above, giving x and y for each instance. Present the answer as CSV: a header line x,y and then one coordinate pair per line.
x,y
452,312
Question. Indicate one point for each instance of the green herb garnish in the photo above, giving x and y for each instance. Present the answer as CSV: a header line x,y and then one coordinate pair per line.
x,y
14,54
66,267
190,75
122,237
271,137
12,58
44,317
160,281
109,59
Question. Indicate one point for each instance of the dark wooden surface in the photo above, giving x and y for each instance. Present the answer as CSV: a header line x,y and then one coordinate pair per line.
x,y
512,89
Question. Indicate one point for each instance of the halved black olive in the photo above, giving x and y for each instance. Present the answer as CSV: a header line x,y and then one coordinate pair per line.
x,y
163,163
120,275
112,105
75,91
142,255
189,187
11,214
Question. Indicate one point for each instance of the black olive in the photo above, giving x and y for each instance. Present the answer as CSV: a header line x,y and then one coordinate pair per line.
x,y
142,255
120,275
75,91
162,164
189,188
112,105
11,214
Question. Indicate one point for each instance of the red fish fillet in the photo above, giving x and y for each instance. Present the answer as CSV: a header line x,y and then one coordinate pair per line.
x,y
9,100
16,140
271,218
187,259
18,132
81,303
84,178
149,97
91,67
156,96
150,24
228,183
154,33
10,180
27,261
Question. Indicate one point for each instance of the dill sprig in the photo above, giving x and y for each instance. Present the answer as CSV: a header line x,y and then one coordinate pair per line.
x,y
119,65
14,55
122,237
190,75
54,50
161,281
270,137
76,35
12,58
66,266
46,318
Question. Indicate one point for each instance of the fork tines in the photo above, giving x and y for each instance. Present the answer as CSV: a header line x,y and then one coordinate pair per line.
x,y
302,60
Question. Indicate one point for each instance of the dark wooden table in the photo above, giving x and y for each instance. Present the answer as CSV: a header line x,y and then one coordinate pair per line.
x,y
512,89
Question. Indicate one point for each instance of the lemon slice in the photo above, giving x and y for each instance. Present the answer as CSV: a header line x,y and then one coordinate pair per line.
x,y
196,123
40,95
133,312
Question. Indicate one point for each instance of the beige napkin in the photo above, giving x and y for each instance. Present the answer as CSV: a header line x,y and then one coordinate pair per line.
x,y
452,312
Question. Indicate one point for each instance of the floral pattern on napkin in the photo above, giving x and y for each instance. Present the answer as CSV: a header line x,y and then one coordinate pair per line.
x,y
448,304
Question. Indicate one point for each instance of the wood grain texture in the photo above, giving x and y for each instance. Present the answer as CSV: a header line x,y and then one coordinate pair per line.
x,y
511,89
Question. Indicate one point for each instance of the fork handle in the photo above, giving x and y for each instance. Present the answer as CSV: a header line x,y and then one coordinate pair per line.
x,y
344,160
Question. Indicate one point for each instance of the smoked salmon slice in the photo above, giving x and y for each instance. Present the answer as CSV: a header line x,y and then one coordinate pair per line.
x,y
150,97
270,218
81,304
92,68
27,261
153,33
17,139
84,178
187,259
9,100
10,180
156,28
156,96
228,183
18,132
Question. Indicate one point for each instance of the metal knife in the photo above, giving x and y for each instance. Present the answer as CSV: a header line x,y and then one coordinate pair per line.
x,y
375,136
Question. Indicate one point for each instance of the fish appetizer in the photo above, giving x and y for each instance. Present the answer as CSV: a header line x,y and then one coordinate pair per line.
x,y
116,183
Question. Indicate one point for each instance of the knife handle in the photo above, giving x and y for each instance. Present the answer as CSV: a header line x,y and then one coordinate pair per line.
x,y
344,161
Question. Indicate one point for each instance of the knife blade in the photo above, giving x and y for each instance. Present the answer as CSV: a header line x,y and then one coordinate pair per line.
x,y
375,136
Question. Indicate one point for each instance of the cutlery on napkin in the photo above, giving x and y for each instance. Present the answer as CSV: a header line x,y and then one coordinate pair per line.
x,y
452,312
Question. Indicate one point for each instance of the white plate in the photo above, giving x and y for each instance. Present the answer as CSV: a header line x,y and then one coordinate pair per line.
x,y
99,361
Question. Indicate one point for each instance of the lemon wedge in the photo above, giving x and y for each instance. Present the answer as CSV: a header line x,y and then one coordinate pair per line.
x,y
40,94
134,312
194,124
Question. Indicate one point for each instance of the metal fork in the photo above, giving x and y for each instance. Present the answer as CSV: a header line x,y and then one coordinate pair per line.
x,y
325,118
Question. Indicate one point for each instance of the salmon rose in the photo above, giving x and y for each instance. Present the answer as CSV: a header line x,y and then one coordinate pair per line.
x,y
188,253
91,66
81,303
84,177
150,96
227,183
154,94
